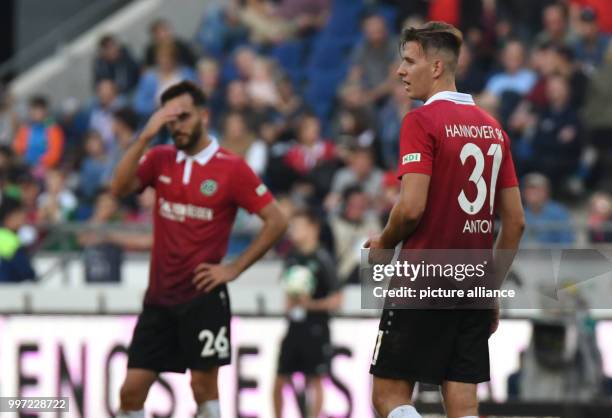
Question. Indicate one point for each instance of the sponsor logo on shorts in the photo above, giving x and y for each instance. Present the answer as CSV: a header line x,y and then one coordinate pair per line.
x,y
411,158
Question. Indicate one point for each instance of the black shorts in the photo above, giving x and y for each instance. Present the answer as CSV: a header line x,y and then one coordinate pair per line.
x,y
193,335
432,346
306,348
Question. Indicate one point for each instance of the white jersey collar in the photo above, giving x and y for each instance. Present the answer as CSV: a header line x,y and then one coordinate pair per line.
x,y
452,96
201,157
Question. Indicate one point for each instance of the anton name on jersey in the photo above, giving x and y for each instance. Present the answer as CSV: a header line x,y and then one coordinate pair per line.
x,y
477,226
473,132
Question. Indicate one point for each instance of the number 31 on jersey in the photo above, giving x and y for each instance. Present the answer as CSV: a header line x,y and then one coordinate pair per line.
x,y
472,207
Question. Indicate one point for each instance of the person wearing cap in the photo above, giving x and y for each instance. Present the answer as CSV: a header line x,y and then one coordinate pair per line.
x,y
591,44
548,222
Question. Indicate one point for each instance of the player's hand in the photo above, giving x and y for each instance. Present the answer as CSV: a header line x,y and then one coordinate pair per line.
x,y
378,253
160,118
208,276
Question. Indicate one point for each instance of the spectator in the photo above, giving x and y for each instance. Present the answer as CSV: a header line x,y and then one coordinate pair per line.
x,y
555,19
221,30
548,222
15,265
289,104
351,228
310,150
238,139
155,80
145,207
308,15
590,46
597,112
557,140
209,80
162,33
8,118
601,8
552,60
470,76
57,203
74,121
100,112
360,171
25,188
355,118
265,27
515,77
125,123
600,218
237,100
390,122
261,86
39,141
103,249
106,240
92,168
114,62
373,59
244,60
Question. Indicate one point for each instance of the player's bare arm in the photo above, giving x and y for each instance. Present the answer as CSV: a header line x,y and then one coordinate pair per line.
x,y
510,211
405,214
125,180
208,276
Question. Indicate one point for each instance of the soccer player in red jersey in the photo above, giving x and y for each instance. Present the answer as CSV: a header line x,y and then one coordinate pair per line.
x,y
185,322
456,173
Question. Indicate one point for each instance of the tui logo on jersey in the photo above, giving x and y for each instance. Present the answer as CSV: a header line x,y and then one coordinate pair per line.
x,y
208,187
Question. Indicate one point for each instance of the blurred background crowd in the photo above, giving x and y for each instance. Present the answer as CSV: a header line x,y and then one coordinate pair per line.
x,y
306,92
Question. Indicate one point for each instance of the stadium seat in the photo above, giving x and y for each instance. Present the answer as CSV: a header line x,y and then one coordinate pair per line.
x,y
344,19
290,55
327,55
320,91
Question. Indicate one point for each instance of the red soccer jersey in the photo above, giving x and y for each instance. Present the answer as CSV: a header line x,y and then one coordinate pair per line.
x,y
467,155
196,203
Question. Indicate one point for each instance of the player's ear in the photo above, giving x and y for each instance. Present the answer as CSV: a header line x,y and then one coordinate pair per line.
x,y
205,115
437,67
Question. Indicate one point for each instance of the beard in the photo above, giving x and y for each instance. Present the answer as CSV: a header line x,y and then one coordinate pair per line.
x,y
191,141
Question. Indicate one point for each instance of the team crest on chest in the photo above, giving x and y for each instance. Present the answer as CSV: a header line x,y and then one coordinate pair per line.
x,y
209,187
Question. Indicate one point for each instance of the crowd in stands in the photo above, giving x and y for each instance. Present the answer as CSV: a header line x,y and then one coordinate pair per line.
x,y
306,92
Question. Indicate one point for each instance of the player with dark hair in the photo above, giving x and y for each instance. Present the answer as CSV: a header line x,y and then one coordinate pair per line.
x,y
185,322
312,292
455,168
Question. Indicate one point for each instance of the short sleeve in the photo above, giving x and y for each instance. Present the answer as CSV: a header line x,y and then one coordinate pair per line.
x,y
147,168
416,148
507,173
249,191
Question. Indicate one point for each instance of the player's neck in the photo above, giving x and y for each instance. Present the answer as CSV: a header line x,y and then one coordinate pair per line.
x,y
441,85
200,145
